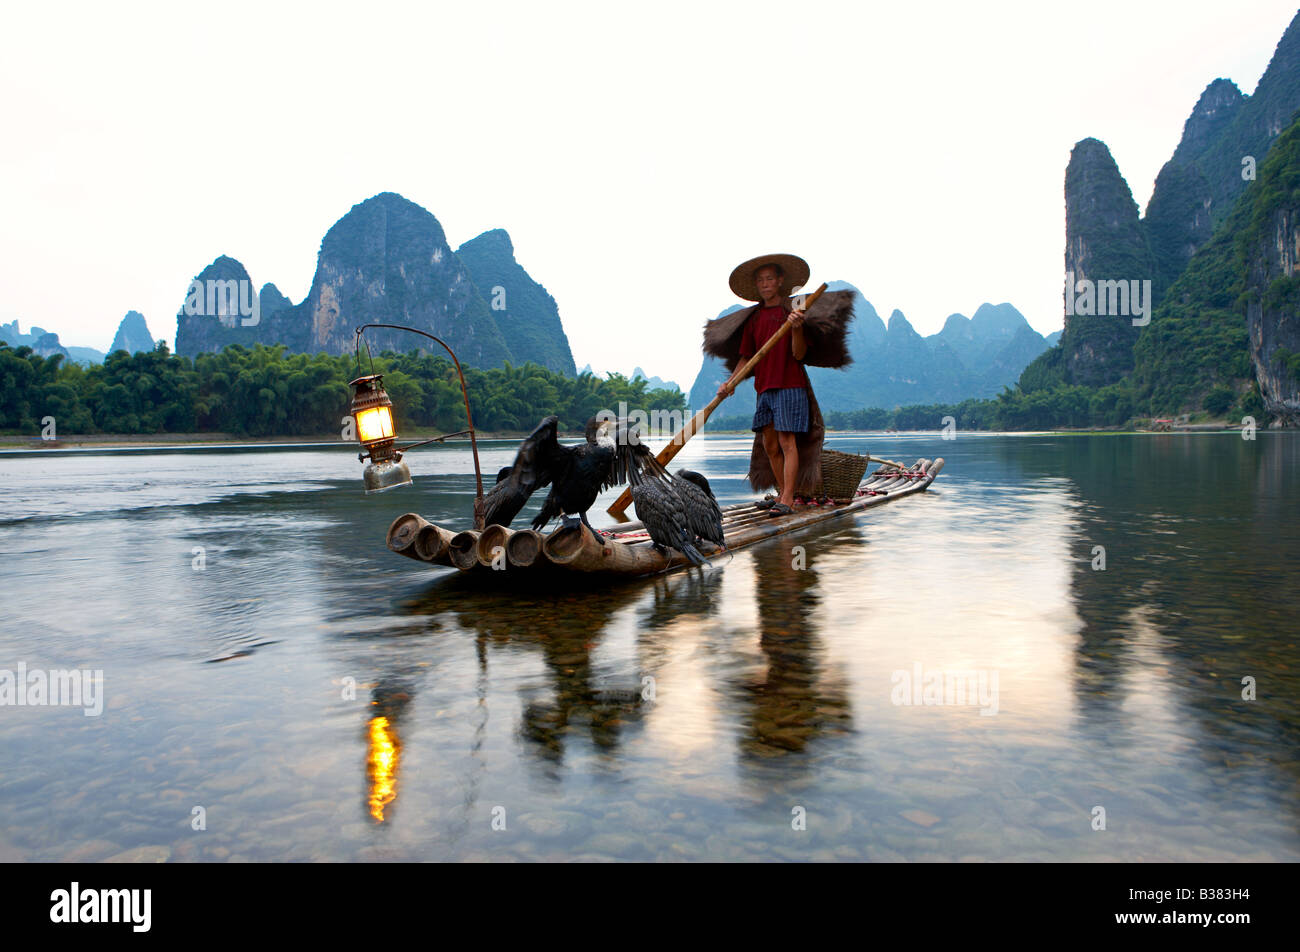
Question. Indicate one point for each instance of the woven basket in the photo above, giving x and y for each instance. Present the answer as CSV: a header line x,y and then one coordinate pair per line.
x,y
841,474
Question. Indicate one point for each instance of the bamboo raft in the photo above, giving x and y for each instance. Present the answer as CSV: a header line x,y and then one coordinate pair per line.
x,y
626,549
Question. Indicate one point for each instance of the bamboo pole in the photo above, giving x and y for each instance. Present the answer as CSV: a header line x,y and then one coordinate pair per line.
x,y
883,462
735,507
403,533
492,538
696,423
524,548
433,542
578,551
462,549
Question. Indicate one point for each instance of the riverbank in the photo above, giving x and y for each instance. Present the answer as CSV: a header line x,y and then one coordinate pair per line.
x,y
224,440
220,440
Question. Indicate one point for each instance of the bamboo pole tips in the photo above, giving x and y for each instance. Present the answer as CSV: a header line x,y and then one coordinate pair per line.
x,y
524,547
403,533
432,543
492,539
565,544
463,549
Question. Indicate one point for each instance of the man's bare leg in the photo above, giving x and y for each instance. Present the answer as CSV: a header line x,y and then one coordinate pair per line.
x,y
790,453
773,447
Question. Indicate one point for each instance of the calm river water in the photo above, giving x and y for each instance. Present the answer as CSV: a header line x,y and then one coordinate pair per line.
x,y
274,676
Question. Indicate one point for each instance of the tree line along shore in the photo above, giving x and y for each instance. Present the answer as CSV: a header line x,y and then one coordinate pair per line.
x,y
264,392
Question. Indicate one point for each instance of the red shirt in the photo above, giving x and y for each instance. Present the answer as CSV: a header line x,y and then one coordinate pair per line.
x,y
779,368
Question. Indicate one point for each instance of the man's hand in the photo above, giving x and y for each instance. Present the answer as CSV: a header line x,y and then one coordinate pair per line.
x,y
724,389
796,318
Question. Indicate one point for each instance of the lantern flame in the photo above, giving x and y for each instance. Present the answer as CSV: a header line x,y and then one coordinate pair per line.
x,y
375,423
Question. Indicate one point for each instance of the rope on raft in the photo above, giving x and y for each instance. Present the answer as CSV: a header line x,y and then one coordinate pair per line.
x,y
901,474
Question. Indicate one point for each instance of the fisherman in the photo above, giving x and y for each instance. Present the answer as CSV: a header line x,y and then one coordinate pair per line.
x,y
780,380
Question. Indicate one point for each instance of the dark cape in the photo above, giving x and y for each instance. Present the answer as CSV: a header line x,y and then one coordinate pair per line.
x,y
825,332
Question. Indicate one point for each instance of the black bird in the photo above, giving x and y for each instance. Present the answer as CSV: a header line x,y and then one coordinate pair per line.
x,y
530,472
659,505
702,510
581,472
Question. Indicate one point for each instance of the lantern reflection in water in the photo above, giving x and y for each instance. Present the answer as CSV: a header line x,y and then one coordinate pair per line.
x,y
381,766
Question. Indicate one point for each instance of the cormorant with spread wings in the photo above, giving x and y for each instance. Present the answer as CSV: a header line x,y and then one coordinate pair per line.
x,y
577,474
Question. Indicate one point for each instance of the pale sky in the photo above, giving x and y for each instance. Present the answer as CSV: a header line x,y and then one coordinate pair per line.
x,y
634,153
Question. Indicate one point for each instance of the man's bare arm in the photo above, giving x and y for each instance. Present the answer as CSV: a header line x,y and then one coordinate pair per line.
x,y
798,346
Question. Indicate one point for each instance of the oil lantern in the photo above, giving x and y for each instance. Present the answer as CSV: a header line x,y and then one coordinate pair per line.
x,y
372,411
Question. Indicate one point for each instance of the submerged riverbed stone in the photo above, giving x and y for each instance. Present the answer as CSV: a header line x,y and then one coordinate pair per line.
x,y
617,845
883,854
91,851
553,824
920,818
142,854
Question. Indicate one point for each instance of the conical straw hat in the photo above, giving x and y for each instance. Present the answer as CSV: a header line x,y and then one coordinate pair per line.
x,y
742,280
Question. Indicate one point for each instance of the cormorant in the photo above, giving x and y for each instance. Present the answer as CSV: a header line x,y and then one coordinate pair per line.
x,y
702,510
659,505
530,472
581,472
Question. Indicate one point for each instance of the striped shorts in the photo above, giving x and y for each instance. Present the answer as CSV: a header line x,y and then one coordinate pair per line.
x,y
787,407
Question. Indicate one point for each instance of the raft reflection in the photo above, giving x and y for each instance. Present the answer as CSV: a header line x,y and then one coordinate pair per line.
x,y
788,705
566,630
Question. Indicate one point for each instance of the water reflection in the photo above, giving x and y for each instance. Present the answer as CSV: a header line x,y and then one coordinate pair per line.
x,y
793,701
746,651
564,631
694,594
674,717
1196,594
381,764
1200,547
